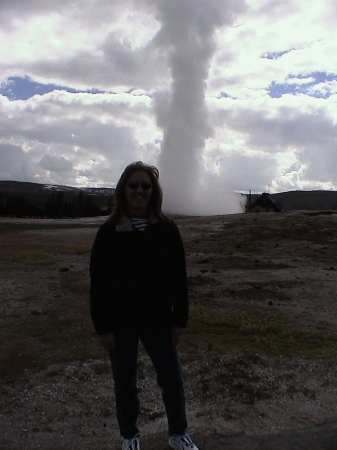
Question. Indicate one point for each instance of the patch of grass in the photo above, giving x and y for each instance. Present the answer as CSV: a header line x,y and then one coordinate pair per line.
x,y
255,329
64,333
42,342
7,227
77,247
43,254
28,254
253,294
101,367
199,280
330,260
248,245
16,355
230,262
234,378
45,345
249,293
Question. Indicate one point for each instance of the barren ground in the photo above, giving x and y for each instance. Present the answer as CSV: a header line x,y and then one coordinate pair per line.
x,y
258,356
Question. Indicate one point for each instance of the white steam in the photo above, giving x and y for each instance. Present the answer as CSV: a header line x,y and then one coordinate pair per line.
x,y
187,35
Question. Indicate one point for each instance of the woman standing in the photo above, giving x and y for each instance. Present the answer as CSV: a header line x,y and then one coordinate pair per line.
x,y
139,292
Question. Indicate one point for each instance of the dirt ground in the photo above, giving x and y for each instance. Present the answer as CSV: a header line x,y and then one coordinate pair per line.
x,y
280,268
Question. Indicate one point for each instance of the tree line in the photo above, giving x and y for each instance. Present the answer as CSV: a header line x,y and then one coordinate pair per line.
x,y
57,205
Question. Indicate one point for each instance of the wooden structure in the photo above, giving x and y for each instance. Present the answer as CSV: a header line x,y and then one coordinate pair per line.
x,y
265,203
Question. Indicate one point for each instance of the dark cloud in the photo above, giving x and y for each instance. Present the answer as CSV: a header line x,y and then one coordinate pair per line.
x,y
111,65
285,128
276,9
320,162
15,163
243,172
55,163
88,13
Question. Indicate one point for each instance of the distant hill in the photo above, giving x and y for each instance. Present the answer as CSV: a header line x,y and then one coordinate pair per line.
x,y
304,200
37,195
32,198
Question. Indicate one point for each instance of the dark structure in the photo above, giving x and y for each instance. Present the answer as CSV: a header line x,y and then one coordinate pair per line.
x,y
265,203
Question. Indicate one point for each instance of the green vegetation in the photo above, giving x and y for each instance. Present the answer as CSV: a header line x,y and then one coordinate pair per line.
x,y
59,225
29,254
63,332
60,329
57,204
36,254
256,329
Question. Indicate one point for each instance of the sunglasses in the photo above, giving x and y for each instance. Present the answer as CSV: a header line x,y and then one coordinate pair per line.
x,y
145,186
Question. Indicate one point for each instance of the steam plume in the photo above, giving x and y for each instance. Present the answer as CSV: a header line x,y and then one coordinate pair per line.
x,y
187,34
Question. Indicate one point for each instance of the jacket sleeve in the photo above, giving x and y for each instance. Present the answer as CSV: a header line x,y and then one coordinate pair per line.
x,y
101,301
179,288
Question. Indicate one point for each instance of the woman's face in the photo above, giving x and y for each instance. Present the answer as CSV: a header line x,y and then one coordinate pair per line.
x,y
138,192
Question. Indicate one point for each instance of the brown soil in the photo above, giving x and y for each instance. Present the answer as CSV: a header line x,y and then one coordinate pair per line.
x,y
276,271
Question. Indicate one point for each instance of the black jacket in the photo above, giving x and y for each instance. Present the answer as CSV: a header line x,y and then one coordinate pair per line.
x,y
138,278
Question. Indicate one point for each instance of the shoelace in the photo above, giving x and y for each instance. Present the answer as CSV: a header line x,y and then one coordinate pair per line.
x,y
130,444
185,438
188,441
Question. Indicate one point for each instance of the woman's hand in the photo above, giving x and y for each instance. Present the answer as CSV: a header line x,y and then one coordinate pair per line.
x,y
176,334
107,341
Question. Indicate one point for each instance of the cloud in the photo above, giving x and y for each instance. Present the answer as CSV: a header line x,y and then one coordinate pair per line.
x,y
55,163
275,138
15,164
236,170
103,44
286,128
236,97
78,129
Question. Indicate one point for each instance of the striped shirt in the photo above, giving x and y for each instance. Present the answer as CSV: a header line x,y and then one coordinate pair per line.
x,y
139,223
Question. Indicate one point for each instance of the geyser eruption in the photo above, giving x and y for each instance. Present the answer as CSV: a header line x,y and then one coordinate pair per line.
x,y
187,34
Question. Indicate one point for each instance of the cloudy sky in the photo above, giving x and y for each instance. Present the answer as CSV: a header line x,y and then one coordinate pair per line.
x,y
222,95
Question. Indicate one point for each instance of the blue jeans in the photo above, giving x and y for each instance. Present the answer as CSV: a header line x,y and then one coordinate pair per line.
x,y
158,345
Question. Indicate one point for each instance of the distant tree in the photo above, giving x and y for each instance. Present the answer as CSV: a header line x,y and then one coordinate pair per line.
x,y
60,203
91,210
51,208
20,207
81,204
56,205
2,205
69,209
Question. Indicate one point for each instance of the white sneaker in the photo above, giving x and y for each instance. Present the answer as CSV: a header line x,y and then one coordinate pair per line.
x,y
131,444
181,442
